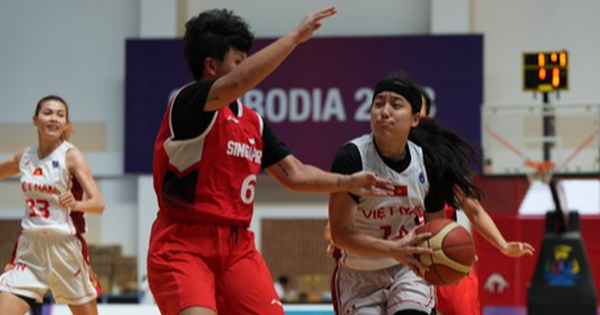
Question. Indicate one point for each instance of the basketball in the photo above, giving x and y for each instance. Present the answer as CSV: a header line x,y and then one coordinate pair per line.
x,y
453,252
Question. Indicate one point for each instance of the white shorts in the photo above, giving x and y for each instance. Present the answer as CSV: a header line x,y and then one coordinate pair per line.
x,y
377,292
55,263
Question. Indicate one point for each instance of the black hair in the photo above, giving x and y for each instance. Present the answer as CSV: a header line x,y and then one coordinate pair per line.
x,y
451,157
211,34
284,280
448,154
401,86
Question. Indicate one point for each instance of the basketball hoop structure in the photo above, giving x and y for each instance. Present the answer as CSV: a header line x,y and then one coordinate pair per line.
x,y
540,171
553,290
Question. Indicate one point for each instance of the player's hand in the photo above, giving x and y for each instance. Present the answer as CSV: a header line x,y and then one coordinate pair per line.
x,y
407,249
311,23
67,200
517,249
366,184
8,267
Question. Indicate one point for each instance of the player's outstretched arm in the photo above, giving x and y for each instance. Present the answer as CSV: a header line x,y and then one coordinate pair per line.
x,y
484,224
10,166
257,67
299,177
79,168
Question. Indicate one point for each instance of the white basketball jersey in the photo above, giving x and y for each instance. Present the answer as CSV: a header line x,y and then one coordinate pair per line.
x,y
388,217
42,182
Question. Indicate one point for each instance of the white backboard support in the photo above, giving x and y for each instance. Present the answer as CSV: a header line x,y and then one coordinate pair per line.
x,y
580,195
513,135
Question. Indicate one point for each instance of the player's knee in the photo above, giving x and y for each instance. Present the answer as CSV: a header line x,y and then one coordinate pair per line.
x,y
17,302
410,312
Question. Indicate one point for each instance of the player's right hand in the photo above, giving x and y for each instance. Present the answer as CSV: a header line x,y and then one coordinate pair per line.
x,y
407,249
311,23
67,200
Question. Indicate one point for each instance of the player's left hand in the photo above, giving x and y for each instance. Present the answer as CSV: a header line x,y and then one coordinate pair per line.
x,y
367,184
517,249
311,23
67,200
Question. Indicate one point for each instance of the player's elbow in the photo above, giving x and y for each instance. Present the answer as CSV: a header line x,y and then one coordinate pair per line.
x,y
98,208
342,237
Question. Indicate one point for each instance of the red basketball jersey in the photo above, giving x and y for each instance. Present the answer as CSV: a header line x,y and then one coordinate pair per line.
x,y
210,178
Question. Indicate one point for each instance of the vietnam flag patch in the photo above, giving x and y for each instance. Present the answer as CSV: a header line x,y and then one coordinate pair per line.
x,y
401,191
38,172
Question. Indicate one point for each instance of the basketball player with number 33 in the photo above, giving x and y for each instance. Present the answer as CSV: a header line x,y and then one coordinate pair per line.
x,y
51,253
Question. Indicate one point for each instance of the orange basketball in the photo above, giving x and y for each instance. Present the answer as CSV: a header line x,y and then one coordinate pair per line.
x,y
453,252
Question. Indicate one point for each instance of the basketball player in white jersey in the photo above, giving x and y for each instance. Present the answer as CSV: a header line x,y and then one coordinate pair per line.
x,y
376,273
51,253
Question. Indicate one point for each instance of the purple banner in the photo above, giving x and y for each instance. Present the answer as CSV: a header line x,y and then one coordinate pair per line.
x,y
319,97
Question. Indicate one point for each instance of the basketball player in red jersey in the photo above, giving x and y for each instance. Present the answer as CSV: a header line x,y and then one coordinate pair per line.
x,y
463,298
376,273
51,253
209,149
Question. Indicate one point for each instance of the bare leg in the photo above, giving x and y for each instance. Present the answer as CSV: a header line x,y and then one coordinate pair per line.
x,y
11,304
197,310
88,308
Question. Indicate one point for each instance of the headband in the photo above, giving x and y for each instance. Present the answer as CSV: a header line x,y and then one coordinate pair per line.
x,y
410,93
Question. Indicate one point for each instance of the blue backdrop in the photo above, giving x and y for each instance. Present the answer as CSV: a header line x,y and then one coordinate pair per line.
x,y
319,97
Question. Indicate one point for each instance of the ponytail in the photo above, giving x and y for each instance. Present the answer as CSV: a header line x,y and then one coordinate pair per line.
x,y
450,157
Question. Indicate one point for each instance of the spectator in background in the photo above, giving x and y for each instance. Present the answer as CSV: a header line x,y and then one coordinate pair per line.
x,y
284,290
281,286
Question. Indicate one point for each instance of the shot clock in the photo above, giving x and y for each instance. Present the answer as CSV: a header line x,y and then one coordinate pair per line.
x,y
545,71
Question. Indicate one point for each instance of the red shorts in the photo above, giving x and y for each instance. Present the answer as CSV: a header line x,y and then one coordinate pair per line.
x,y
213,266
461,298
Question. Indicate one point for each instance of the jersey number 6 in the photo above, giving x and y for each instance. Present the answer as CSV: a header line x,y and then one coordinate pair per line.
x,y
248,186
